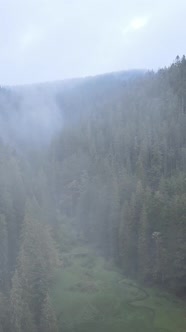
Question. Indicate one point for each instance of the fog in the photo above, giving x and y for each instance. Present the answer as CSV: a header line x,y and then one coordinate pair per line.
x,y
92,203
30,116
92,166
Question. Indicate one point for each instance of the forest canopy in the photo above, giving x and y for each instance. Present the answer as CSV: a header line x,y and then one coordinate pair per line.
x,y
100,159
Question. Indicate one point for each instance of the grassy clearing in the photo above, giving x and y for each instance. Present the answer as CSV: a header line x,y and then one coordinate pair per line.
x,y
89,295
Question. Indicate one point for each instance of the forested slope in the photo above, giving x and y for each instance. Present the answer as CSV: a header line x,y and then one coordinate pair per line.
x,y
104,158
121,174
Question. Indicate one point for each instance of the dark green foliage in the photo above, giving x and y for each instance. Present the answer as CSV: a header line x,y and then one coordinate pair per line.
x,y
114,177
121,171
36,263
48,322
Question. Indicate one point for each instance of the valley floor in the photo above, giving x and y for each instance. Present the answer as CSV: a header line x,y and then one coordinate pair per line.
x,y
91,295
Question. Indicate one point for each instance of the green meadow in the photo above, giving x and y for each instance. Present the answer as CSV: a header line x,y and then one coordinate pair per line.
x,y
91,295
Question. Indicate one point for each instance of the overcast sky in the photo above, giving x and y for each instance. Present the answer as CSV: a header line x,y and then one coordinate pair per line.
x,y
44,40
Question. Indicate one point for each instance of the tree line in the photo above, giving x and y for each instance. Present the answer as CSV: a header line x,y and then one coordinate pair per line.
x,y
114,176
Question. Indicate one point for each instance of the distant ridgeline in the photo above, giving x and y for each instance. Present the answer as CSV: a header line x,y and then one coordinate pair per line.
x,y
105,156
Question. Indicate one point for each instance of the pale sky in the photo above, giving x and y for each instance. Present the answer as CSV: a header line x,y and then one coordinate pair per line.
x,y
46,40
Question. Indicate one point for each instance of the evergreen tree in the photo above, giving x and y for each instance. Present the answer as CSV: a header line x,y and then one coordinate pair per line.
x,y
48,321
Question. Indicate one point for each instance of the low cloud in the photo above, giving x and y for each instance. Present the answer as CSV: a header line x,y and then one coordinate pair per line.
x,y
47,40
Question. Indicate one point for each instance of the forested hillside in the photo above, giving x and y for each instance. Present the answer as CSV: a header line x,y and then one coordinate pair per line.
x,y
101,161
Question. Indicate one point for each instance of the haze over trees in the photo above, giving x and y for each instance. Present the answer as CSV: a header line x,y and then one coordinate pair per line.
x,y
101,160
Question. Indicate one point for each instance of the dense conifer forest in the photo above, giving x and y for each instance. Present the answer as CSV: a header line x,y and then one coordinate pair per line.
x,y
99,161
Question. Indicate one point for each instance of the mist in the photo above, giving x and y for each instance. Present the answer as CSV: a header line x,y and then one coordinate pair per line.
x,y
30,116
93,203
92,166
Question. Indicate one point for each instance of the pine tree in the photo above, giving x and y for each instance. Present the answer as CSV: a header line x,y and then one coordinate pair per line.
x,y
144,252
4,253
21,317
36,263
48,322
4,313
